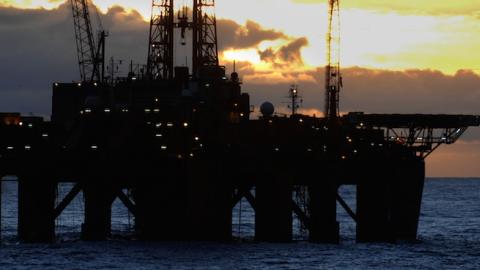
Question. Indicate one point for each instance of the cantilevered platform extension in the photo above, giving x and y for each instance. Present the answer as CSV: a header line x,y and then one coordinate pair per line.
x,y
420,132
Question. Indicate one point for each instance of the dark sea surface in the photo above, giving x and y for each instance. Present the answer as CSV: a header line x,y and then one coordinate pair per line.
x,y
449,239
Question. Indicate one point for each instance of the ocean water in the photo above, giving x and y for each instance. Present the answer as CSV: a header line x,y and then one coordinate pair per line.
x,y
449,239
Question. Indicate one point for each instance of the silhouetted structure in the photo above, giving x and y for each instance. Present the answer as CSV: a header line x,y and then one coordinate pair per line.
x,y
183,142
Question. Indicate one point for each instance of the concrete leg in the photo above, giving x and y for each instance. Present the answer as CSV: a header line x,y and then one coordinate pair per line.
x,y
407,198
210,197
99,197
36,202
374,203
161,204
273,213
323,227
1,184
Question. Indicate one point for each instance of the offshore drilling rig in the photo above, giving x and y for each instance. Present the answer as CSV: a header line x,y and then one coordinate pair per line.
x,y
182,141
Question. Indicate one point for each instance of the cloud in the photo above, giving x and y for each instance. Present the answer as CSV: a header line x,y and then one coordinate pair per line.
x,y
383,91
38,48
429,7
462,159
286,56
236,36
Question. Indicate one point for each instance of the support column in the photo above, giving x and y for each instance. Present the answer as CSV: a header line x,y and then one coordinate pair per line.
x,y
99,196
273,213
407,198
210,197
373,202
160,200
1,183
36,203
323,227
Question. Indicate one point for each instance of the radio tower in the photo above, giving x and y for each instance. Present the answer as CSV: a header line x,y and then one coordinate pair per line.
x,y
333,78
160,48
205,50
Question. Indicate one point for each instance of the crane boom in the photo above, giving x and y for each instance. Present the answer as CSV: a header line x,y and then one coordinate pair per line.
x,y
333,77
89,56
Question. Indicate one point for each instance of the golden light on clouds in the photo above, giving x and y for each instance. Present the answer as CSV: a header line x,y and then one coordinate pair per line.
x,y
442,35
247,55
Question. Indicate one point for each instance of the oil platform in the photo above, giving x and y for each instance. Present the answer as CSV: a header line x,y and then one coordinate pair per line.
x,y
182,141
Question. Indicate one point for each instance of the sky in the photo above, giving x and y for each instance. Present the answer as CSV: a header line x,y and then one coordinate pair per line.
x,y
397,56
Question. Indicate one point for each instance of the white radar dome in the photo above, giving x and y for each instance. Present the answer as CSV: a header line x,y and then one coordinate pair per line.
x,y
267,109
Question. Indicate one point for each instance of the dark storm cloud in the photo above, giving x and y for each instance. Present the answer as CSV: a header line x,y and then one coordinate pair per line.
x,y
235,36
288,55
377,91
382,91
38,48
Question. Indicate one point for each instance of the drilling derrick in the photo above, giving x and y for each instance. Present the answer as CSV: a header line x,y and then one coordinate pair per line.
x,y
89,56
205,51
333,78
160,49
